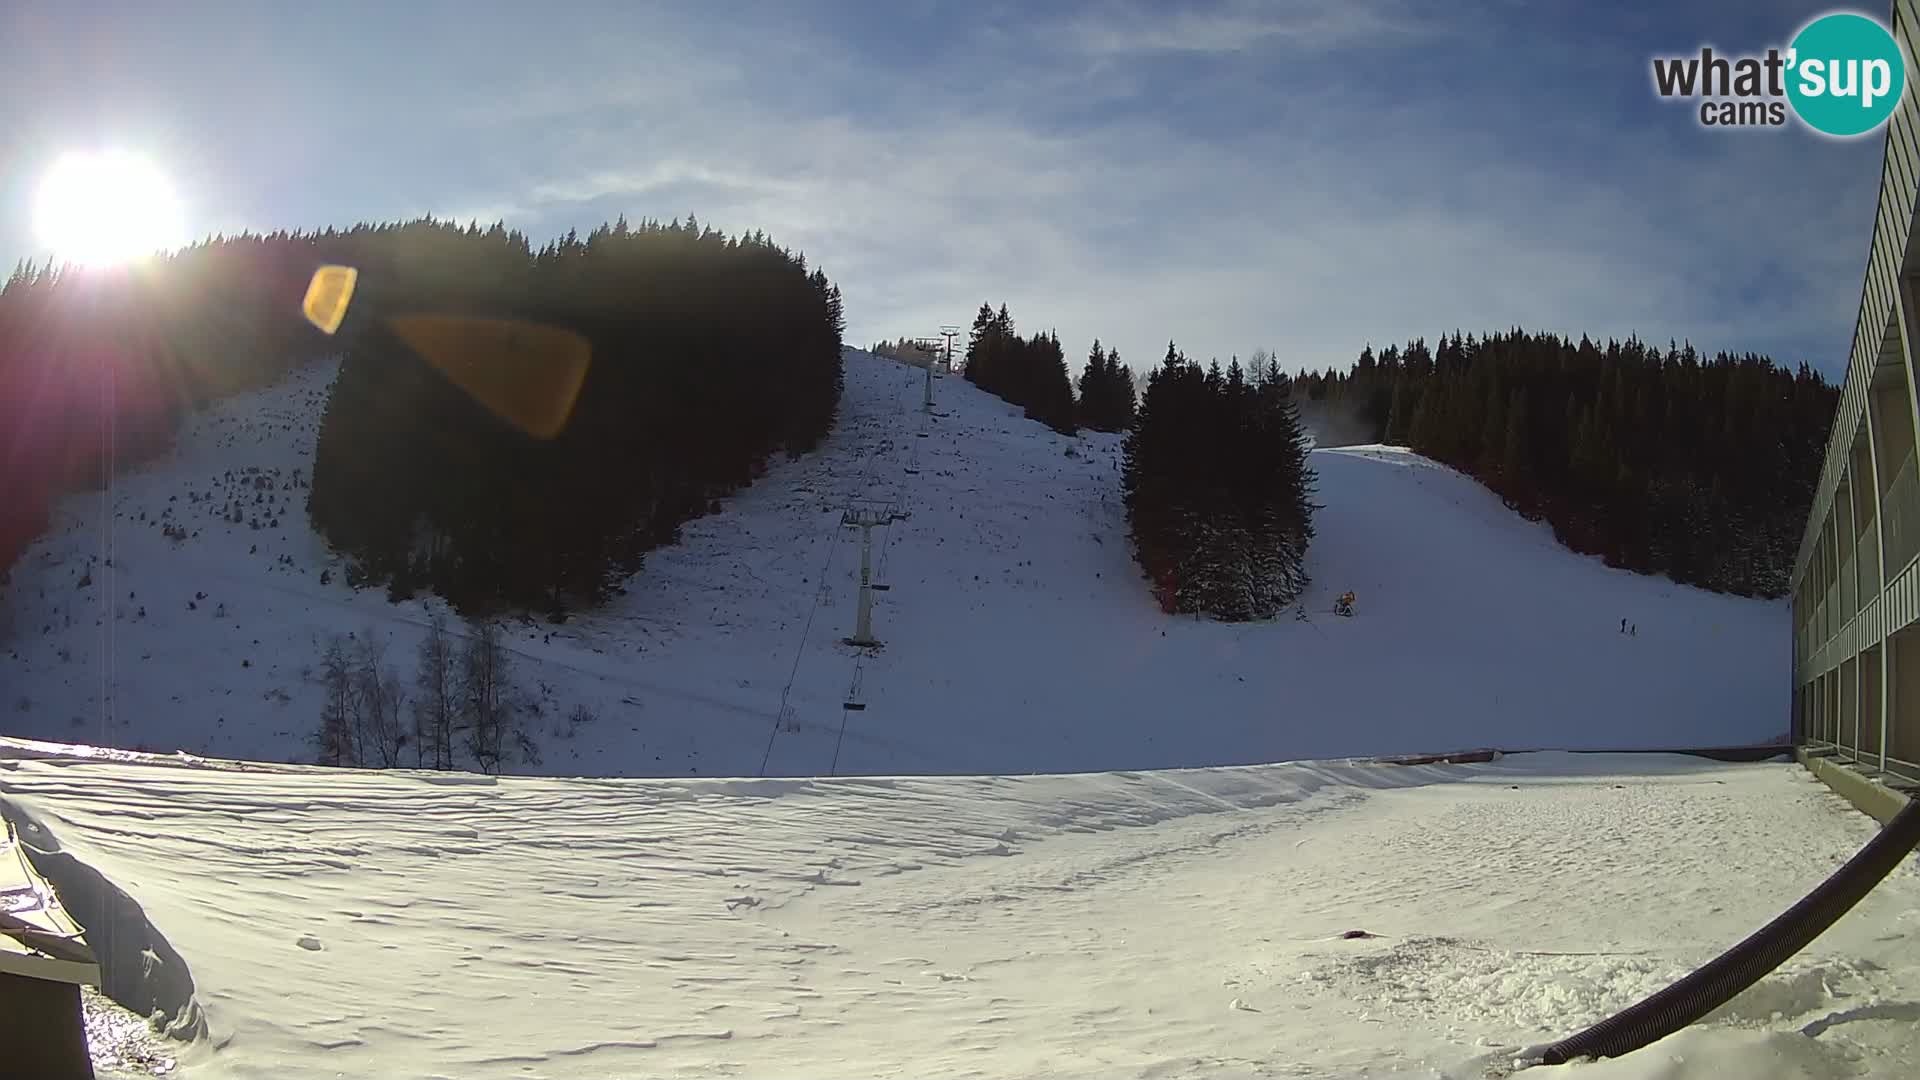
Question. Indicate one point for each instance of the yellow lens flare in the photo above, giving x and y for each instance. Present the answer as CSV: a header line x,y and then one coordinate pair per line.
x,y
528,375
328,295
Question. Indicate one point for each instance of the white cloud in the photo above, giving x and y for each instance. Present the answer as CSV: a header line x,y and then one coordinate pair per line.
x,y
1328,231
641,181
1244,25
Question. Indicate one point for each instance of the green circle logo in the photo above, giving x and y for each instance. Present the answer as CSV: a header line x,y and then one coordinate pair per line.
x,y
1845,74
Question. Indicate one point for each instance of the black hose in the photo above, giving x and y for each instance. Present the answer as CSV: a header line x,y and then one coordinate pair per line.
x,y
1743,965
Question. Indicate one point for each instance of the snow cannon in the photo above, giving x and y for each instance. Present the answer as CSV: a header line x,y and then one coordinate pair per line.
x,y
524,373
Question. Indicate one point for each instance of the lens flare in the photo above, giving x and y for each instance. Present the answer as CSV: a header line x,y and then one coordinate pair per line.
x,y
107,207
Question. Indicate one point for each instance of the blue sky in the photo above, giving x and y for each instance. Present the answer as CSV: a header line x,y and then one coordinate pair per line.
x,y
1302,176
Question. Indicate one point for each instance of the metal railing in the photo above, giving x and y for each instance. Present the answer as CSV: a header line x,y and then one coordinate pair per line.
x,y
1867,554
1849,584
1903,772
1849,590
1902,510
1845,715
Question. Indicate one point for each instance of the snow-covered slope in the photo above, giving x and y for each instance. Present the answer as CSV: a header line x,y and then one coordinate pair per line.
x,y
1161,924
1018,634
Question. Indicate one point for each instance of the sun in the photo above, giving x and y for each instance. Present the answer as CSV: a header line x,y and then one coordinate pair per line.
x,y
107,207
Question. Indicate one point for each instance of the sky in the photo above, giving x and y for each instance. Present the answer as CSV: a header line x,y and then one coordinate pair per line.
x,y
1307,177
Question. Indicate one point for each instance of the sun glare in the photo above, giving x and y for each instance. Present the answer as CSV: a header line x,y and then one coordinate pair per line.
x,y
105,208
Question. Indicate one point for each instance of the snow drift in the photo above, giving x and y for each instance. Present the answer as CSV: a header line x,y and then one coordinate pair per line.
x,y
1159,924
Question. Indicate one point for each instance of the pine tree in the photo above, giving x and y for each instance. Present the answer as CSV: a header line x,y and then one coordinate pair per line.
x,y
419,486
976,340
1400,413
1658,459
1492,437
1288,506
1516,467
1217,490
1106,392
1120,378
1048,389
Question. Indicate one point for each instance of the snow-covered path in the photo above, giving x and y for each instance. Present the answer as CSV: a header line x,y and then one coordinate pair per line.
x,y
1122,924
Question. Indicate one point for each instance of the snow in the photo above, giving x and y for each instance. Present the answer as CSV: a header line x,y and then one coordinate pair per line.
x,y
1053,849
1018,634
1145,924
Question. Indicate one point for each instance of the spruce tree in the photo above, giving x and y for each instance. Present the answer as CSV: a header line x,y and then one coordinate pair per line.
x,y
1659,459
1217,490
1120,379
977,339
1400,413
1516,467
1096,392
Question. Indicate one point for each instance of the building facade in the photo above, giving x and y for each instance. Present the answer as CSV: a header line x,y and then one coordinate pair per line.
x,y
1856,583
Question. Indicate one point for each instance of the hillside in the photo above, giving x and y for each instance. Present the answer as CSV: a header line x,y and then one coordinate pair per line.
x,y
1160,924
1018,635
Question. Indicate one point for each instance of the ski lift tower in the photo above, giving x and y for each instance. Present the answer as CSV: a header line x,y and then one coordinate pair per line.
x,y
948,333
865,516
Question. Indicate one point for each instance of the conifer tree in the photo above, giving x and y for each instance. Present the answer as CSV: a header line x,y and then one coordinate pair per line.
x,y
1658,459
1120,378
1217,490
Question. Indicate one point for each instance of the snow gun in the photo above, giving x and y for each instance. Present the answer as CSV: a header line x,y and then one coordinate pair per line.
x,y
526,374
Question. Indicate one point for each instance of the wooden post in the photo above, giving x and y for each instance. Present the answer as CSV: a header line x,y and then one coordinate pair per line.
x,y
42,1033
44,959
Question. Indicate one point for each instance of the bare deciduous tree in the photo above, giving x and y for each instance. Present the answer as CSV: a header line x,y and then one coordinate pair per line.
x,y
383,737
361,706
339,708
485,694
438,702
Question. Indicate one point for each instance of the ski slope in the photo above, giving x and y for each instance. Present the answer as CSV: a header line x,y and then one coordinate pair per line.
x,y
319,923
1018,634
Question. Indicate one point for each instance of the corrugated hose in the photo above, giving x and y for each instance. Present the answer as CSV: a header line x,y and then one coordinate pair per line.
x,y
1726,975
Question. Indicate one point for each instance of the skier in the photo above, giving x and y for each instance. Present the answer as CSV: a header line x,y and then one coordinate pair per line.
x,y
1623,626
